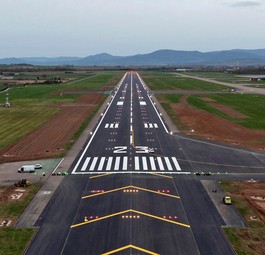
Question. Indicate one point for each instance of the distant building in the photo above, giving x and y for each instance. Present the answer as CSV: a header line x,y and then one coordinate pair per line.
x,y
257,79
183,70
2,77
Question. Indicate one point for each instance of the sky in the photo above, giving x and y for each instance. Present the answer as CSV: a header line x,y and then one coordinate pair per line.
x,y
52,28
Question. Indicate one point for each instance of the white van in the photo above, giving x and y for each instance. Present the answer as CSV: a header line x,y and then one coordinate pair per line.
x,y
27,169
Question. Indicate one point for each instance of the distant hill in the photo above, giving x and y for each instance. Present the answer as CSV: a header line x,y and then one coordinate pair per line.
x,y
235,57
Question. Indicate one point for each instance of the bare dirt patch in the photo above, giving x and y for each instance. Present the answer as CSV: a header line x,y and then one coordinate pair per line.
x,y
212,127
34,81
253,193
6,193
229,111
51,138
208,99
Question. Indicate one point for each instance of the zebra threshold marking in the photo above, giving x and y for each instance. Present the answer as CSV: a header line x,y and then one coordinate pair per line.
x,y
92,165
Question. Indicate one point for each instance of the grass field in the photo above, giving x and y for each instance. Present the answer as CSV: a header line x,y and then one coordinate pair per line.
x,y
246,241
19,121
14,241
95,82
166,100
251,105
33,105
171,82
2,86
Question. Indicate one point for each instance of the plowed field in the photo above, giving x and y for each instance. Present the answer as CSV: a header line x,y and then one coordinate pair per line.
x,y
51,138
203,124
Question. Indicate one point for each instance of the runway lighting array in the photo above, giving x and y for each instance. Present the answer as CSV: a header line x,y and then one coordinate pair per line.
x,y
97,191
130,216
130,190
170,217
87,218
163,191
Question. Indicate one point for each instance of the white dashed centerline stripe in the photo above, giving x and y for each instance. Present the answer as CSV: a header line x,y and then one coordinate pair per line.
x,y
136,163
94,162
145,167
117,163
85,164
152,161
176,164
109,163
169,167
160,163
125,163
101,164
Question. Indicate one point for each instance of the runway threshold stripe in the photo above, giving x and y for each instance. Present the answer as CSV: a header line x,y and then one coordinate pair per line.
x,y
116,125
145,125
85,164
94,162
152,161
150,125
109,163
169,167
101,163
125,163
156,126
160,163
117,163
176,164
136,163
145,167
111,125
107,125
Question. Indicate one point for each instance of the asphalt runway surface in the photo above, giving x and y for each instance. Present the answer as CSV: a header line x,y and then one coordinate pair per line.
x,y
131,189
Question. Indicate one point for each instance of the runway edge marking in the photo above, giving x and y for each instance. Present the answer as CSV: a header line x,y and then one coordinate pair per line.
x,y
91,139
141,80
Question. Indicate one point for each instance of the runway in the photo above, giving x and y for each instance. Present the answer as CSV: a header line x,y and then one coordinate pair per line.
x,y
132,188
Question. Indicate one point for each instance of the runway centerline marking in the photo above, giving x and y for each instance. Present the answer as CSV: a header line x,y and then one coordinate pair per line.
x,y
130,211
130,187
130,246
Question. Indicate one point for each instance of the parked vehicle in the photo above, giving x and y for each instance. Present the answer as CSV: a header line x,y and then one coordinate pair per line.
x,y
27,169
227,200
22,183
38,166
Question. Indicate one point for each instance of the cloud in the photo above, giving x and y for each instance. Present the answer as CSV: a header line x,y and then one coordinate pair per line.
x,y
246,4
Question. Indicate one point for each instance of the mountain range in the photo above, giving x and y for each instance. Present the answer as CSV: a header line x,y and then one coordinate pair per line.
x,y
235,57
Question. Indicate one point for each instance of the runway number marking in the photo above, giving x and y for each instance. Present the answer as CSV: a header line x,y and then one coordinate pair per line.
x,y
141,149
120,149
123,149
